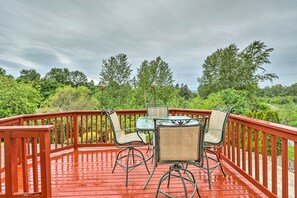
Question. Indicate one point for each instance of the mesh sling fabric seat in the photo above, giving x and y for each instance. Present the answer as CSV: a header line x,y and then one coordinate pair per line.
x,y
127,142
214,139
156,111
177,143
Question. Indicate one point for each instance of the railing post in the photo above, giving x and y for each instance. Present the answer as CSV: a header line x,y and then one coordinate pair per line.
x,y
46,190
11,174
75,131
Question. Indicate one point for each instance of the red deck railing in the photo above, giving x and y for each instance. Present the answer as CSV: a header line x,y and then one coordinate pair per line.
x,y
251,145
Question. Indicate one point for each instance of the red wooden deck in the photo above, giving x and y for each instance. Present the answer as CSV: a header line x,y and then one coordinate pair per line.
x,y
87,173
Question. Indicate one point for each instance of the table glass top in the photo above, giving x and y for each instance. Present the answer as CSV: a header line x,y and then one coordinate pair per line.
x,y
147,123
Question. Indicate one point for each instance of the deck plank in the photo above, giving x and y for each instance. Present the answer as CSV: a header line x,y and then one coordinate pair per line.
x,y
87,173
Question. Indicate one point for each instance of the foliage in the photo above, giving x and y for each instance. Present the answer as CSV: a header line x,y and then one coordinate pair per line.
x,y
48,88
68,98
2,72
61,75
286,108
17,98
116,70
271,116
66,77
77,78
184,91
229,68
291,153
29,75
116,74
157,71
228,97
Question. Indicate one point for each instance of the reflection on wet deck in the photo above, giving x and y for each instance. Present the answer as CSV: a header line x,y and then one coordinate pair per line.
x,y
87,173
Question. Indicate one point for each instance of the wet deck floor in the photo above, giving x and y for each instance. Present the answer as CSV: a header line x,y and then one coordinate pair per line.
x,y
87,173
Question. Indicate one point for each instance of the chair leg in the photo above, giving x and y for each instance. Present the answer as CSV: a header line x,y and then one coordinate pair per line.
x,y
117,158
183,182
194,181
219,162
207,169
127,165
143,159
150,177
190,178
169,175
161,180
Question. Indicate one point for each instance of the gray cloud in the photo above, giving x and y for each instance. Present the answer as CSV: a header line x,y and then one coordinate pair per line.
x,y
80,34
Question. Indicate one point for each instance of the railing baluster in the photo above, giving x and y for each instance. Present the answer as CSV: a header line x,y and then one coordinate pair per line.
x,y
264,159
256,154
96,129
56,133
34,164
295,168
61,131
238,144
24,164
243,148
250,159
233,140
274,164
285,178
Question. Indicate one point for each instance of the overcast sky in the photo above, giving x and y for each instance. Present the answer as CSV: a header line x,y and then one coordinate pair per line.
x,y
42,34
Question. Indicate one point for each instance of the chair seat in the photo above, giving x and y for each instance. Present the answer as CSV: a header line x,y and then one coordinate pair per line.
x,y
132,137
213,138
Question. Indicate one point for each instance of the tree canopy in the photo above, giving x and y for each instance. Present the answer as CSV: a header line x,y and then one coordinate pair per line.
x,y
17,98
229,68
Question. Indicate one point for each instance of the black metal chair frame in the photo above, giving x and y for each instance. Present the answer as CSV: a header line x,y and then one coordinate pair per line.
x,y
130,147
150,145
210,147
177,169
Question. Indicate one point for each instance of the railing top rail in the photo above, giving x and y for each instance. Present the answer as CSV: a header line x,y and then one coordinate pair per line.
x,y
236,118
26,128
263,123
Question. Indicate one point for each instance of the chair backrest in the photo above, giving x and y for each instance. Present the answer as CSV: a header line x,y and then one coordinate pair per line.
x,y
157,110
179,143
115,124
217,126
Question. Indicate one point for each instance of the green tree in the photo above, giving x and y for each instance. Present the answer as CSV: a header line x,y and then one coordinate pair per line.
x,y
61,75
29,75
48,87
17,98
116,73
78,78
2,72
273,91
68,98
185,92
229,68
117,70
155,71
292,90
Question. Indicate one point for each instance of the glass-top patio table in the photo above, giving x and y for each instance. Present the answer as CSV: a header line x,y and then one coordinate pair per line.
x,y
146,123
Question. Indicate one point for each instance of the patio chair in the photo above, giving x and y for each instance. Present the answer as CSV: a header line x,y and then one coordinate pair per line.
x,y
157,111
177,143
214,139
126,142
